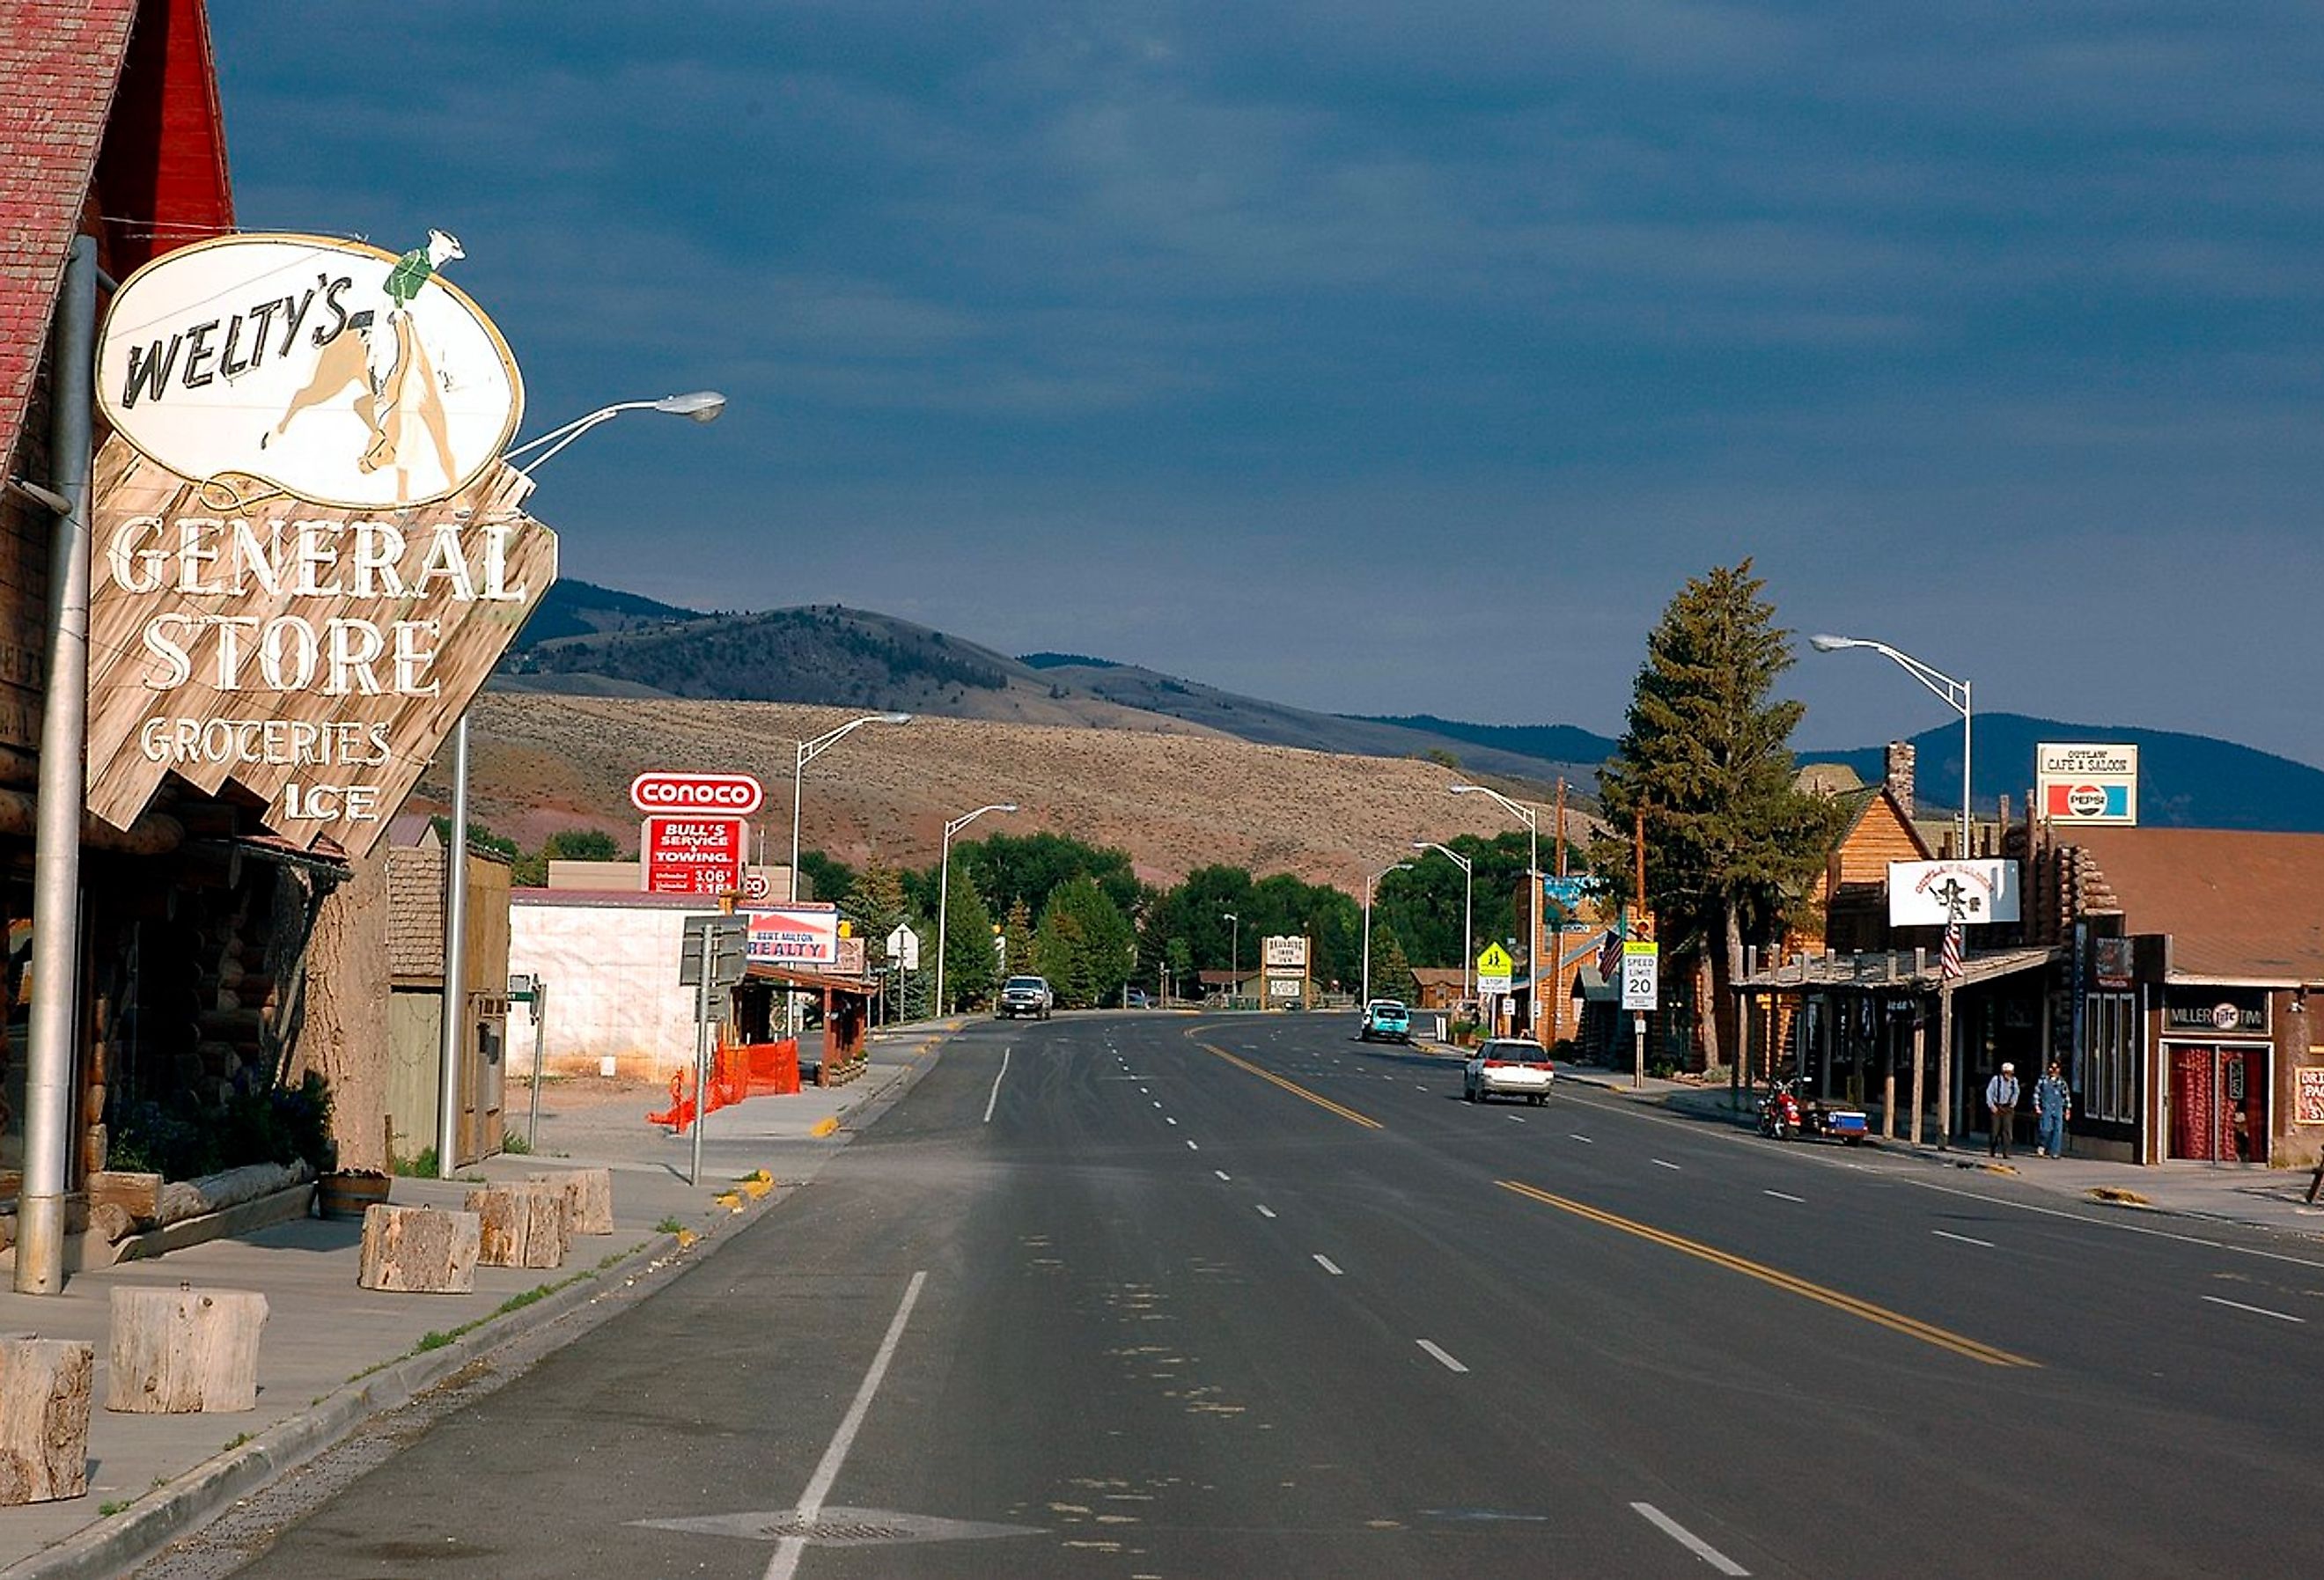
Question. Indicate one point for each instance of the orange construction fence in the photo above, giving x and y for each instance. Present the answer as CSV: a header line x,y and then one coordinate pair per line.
x,y
737,1071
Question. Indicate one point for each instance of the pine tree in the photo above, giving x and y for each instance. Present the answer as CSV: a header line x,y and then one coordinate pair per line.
x,y
1729,842
1392,976
875,905
968,943
1018,933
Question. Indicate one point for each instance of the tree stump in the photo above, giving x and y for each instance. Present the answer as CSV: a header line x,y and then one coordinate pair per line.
x,y
44,1389
176,1352
588,1198
522,1225
420,1251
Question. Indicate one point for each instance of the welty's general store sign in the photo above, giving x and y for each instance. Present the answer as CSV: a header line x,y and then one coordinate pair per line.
x,y
299,593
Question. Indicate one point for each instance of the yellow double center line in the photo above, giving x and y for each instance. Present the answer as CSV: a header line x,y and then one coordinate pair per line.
x,y
1296,1090
1896,1322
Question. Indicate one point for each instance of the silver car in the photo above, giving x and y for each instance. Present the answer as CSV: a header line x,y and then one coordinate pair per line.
x,y
1513,1067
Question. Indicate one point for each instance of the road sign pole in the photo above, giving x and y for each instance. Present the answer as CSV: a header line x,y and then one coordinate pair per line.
x,y
1638,1057
700,1059
532,1123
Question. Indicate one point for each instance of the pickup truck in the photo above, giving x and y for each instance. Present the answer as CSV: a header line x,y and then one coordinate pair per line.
x,y
1024,995
1386,1020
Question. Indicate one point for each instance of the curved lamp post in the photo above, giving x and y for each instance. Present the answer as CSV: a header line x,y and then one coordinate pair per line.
x,y
1531,816
1234,951
808,751
944,885
1955,694
1370,879
1468,905
701,406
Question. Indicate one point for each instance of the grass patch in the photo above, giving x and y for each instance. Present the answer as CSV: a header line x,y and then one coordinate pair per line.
x,y
432,1340
109,1508
235,1442
669,1225
516,1145
420,1166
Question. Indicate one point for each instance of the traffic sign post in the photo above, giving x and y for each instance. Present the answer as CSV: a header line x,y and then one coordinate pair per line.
x,y
532,992
714,958
1495,973
1641,981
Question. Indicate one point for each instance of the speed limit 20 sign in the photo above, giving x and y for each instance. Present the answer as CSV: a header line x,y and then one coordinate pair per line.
x,y
1641,960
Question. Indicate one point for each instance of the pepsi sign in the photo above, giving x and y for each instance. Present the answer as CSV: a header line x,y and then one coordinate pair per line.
x,y
735,795
2087,784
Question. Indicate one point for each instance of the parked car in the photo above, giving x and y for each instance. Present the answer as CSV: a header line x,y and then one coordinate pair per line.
x,y
1516,1066
1024,995
1386,1020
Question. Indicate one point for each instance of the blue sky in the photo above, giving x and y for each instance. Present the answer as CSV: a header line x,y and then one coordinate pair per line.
x,y
1386,358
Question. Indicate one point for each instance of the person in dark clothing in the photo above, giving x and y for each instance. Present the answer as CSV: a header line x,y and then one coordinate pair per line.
x,y
2001,1106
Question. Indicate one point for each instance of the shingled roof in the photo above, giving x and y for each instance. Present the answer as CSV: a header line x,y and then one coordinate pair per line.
x,y
2238,906
110,97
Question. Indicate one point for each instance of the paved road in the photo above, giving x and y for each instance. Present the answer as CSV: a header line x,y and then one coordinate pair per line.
x,y
1139,1296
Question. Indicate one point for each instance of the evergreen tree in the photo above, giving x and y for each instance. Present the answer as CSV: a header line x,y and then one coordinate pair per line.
x,y
968,943
1706,757
1018,935
1392,976
1084,945
875,904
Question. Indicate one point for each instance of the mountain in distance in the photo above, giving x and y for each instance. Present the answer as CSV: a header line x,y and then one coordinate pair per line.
x,y
590,640
2185,780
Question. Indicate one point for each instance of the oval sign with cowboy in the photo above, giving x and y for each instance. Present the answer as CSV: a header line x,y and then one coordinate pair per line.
x,y
326,370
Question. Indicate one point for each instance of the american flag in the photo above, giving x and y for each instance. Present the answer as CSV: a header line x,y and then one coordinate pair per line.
x,y
1610,955
1949,963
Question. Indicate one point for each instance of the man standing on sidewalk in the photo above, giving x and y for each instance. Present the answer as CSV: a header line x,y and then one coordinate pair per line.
x,y
2052,1106
2001,1107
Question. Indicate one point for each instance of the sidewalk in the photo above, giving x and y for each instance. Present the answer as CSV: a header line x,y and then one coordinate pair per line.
x,y
334,1354
2265,1199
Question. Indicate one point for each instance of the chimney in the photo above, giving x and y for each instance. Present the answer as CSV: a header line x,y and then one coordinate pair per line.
x,y
1899,773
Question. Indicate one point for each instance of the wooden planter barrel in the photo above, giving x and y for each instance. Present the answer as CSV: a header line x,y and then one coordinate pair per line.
x,y
345,1195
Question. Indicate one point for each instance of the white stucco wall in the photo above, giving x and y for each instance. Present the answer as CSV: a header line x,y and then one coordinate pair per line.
x,y
610,964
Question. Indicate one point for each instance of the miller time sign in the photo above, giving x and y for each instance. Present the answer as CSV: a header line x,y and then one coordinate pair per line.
x,y
309,552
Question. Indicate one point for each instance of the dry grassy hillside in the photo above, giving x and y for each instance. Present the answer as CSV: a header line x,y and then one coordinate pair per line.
x,y
1174,803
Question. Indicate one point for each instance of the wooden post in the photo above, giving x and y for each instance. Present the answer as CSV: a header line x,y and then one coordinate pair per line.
x,y
1945,1066
588,1198
1887,1076
176,1352
423,1251
44,1391
520,1225
1920,1064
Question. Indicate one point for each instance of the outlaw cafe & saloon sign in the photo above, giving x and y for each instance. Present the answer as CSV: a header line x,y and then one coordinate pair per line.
x,y
307,551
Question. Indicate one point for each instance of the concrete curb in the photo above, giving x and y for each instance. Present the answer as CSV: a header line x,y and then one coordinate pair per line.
x,y
118,1543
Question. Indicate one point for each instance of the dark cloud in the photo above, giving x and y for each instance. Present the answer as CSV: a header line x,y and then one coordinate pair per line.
x,y
1392,359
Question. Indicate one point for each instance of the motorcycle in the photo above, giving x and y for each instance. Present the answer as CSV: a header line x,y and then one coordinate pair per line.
x,y
1783,1116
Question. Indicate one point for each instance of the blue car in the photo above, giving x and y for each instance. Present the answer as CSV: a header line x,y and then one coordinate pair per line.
x,y
1386,1020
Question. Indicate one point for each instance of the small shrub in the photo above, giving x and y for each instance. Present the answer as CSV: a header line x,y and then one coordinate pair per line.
x,y
669,1225
420,1167
516,1145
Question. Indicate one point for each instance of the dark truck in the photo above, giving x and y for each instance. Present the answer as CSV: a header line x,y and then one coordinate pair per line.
x,y
1024,995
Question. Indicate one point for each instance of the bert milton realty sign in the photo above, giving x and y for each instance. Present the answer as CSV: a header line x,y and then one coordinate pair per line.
x,y
307,553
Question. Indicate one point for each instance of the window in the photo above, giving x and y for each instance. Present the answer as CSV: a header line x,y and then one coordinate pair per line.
x,y
2110,1050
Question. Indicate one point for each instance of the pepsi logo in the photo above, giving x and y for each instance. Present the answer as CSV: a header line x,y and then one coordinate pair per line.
x,y
2086,801
738,794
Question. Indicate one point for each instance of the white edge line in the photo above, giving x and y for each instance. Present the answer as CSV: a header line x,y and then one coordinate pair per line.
x,y
995,1099
1447,1361
1578,1136
1328,1265
1964,1239
2255,1310
1688,1539
785,1562
1785,1195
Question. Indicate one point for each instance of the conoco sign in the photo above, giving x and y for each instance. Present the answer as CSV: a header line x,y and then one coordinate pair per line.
x,y
735,794
307,553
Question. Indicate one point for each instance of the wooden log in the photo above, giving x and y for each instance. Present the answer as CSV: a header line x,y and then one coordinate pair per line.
x,y
588,1198
421,1251
138,1194
176,1352
522,1225
213,1192
44,1394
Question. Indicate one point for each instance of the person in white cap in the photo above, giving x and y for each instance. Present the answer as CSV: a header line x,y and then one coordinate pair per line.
x,y
2001,1104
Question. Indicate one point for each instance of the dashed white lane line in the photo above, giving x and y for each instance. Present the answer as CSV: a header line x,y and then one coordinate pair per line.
x,y
1688,1539
1964,1239
1785,1195
1265,1210
1194,1146
1578,1136
1223,1174
1328,1265
1169,1118
1437,1352
989,1102
1516,1119
2255,1310
1660,1163
1157,1102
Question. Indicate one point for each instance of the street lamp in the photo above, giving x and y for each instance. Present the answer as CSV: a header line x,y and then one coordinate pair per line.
x,y
1954,692
1532,817
1234,951
1370,879
701,406
944,884
808,751
1467,903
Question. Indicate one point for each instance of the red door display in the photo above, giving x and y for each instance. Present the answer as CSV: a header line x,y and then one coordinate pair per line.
x,y
2219,1104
